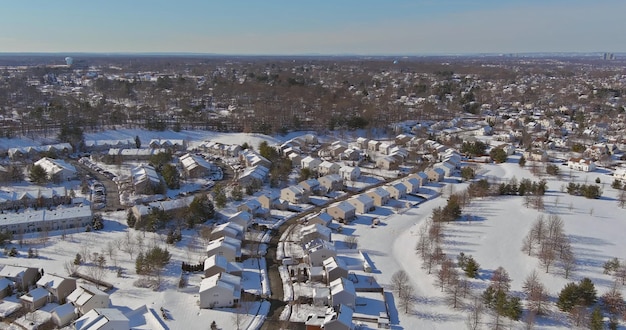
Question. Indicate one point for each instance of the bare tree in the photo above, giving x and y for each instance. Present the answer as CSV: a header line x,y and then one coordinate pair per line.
x,y
535,293
407,298
546,255
579,315
568,262
399,281
128,246
423,245
71,268
444,273
454,290
351,241
620,274
614,302
500,280
475,315
528,243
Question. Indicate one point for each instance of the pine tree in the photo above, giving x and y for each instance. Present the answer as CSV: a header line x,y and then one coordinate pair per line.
x,y
139,264
596,322
78,260
471,267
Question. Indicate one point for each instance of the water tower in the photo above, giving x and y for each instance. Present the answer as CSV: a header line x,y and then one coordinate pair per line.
x,y
69,61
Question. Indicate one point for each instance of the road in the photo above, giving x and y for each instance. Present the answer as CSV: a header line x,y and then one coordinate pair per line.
x,y
112,194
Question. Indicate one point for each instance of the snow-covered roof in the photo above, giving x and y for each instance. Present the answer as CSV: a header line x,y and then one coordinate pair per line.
x,y
64,310
78,212
315,228
342,284
98,317
191,161
35,294
83,294
53,166
50,281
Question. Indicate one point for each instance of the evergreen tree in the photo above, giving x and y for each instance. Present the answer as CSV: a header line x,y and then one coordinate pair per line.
x,y
236,193
171,176
130,219
140,267
596,322
38,175
471,267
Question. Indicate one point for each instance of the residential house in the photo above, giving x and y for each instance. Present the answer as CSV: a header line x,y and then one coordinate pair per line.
x,y
311,186
350,173
168,144
536,155
581,164
23,277
332,182
271,200
196,166
436,174
228,229
334,268
350,154
173,207
321,218
412,184
362,203
219,264
295,158
87,297
403,139
35,299
372,145
396,190
220,290
327,167
342,292
388,163
62,315
342,211
57,170
311,163
379,195
294,194
423,178
339,319
59,287
228,247
336,149
44,219
253,175
102,319
251,158
448,168
253,206
319,250
242,218
362,142
314,231
145,179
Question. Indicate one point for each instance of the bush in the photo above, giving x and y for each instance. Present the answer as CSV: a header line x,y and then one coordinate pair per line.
x,y
467,173
498,155
552,169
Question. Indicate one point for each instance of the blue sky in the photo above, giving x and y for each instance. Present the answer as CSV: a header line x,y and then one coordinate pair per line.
x,y
321,27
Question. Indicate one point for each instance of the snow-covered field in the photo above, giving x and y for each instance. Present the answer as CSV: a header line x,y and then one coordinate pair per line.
x,y
494,238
